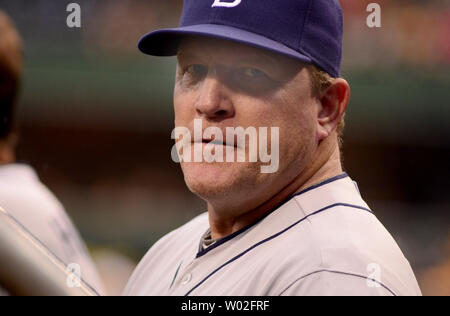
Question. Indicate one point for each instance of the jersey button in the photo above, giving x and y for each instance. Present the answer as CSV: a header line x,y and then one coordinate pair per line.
x,y
186,279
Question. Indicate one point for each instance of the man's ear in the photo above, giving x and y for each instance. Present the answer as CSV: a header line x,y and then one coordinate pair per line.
x,y
332,105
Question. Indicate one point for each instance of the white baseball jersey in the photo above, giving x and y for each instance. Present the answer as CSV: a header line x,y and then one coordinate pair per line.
x,y
323,241
26,199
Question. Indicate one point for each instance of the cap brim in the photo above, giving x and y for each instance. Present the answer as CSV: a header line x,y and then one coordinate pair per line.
x,y
165,42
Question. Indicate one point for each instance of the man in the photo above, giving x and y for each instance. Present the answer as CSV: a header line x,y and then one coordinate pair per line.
x,y
303,229
22,195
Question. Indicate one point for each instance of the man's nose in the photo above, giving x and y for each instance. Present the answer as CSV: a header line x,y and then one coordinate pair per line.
x,y
213,101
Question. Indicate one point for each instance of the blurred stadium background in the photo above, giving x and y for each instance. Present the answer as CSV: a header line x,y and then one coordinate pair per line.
x,y
95,118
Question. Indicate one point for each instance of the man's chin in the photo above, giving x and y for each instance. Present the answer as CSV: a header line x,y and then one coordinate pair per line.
x,y
216,180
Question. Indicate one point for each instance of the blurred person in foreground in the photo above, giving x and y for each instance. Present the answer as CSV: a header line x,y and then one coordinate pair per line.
x,y
22,195
300,229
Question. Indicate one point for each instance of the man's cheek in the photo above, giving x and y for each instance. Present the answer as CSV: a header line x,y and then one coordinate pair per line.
x,y
184,105
182,115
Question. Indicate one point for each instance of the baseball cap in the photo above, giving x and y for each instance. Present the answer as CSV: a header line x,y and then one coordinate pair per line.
x,y
308,30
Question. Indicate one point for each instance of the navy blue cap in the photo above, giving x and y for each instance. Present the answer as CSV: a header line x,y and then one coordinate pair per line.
x,y
308,30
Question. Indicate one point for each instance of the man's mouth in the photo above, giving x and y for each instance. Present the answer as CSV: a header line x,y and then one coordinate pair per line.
x,y
217,142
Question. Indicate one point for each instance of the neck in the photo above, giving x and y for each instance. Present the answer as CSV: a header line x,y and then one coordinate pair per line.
x,y
325,164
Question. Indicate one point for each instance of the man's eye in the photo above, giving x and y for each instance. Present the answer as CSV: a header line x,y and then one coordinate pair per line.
x,y
252,73
197,70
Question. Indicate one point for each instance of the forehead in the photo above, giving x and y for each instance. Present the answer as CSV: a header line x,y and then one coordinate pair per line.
x,y
231,51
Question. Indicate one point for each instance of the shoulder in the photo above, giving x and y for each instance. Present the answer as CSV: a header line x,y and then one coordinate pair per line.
x,y
333,234
347,251
22,191
36,208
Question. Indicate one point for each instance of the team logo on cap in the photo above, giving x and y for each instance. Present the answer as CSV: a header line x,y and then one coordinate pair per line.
x,y
219,3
